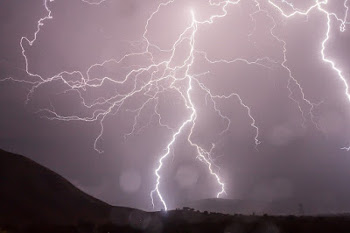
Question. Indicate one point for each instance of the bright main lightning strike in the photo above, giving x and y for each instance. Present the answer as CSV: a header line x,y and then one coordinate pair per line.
x,y
160,72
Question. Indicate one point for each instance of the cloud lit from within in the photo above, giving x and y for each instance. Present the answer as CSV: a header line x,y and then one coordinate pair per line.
x,y
232,71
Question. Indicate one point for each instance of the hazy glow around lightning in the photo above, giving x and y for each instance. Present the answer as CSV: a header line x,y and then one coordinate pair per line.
x,y
183,85
319,6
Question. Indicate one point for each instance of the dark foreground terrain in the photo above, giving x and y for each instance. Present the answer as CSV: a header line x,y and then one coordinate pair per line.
x,y
35,199
183,222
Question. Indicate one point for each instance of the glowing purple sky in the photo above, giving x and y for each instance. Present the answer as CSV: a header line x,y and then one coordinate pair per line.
x,y
297,159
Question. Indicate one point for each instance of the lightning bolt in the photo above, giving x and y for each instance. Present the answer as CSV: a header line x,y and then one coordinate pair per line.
x,y
319,5
161,75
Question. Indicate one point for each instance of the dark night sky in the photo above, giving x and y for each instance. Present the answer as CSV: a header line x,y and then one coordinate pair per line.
x,y
293,162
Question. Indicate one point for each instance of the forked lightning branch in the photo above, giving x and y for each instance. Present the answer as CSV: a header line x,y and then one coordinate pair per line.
x,y
163,77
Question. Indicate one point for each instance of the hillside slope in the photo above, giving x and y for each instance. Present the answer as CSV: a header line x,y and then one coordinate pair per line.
x,y
276,207
31,193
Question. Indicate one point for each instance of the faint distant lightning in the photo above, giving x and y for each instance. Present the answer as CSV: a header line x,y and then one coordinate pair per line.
x,y
149,81
97,2
212,97
292,80
318,5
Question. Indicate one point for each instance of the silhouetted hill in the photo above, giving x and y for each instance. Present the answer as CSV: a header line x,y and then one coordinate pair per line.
x,y
229,206
31,193
34,199
277,207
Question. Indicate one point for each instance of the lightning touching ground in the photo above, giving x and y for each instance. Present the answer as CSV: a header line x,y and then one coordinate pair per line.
x,y
162,75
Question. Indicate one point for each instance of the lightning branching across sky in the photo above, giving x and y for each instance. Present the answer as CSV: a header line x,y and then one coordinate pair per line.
x,y
319,5
161,75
